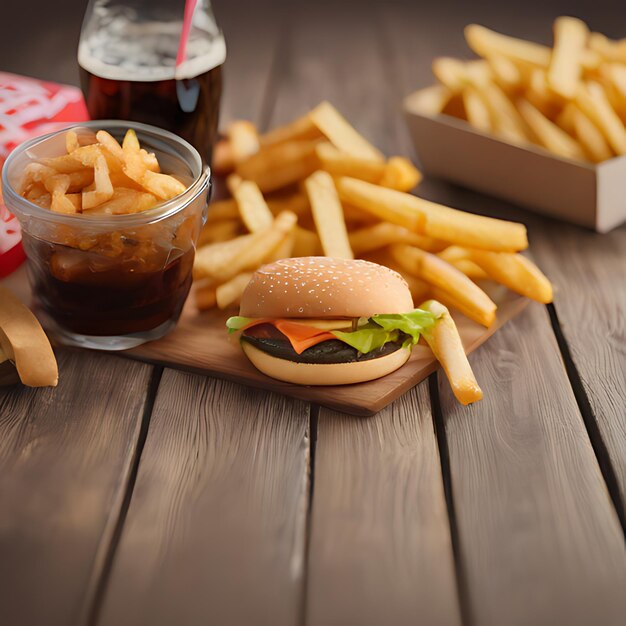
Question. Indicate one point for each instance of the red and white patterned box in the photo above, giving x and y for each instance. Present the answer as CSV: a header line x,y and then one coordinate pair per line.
x,y
28,108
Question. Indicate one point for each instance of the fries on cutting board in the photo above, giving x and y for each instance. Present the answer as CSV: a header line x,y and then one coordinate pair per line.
x,y
316,186
569,99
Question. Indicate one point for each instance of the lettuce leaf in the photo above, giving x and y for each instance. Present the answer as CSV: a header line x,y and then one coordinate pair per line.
x,y
383,328
413,324
378,330
236,323
367,338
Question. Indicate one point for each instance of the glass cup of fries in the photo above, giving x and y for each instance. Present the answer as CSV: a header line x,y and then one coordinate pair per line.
x,y
119,276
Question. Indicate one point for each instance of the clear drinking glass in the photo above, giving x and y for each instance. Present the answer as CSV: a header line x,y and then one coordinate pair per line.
x,y
128,65
112,282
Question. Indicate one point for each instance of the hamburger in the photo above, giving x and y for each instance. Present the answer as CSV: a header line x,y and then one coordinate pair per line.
x,y
325,321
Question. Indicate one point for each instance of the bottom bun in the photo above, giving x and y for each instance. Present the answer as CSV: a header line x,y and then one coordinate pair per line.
x,y
325,373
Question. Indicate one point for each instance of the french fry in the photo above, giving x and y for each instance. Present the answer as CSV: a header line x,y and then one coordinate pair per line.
x,y
445,342
232,182
357,218
229,293
374,200
111,144
223,161
38,173
539,94
213,259
205,297
301,129
442,275
338,163
429,100
470,269
506,119
283,250
476,110
253,209
130,142
71,141
80,179
565,119
614,80
124,201
486,42
505,73
225,263
434,220
400,174
243,139
608,49
280,165
453,253
58,185
44,200
306,242
526,54
450,301
590,137
565,71
455,75
162,186
593,102
65,164
550,136
328,215
341,134
25,344
297,203
214,232
458,257
419,288
516,272
222,210
383,234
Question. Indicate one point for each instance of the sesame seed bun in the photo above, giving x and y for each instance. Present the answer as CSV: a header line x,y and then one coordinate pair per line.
x,y
325,373
323,287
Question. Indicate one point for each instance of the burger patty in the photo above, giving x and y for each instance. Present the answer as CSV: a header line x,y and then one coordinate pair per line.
x,y
330,351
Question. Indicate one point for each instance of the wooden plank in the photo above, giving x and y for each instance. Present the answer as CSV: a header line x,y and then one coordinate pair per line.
x,y
590,300
215,530
65,458
380,548
539,538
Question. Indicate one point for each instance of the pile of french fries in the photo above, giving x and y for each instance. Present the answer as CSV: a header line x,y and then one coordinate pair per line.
x,y
318,187
569,99
98,175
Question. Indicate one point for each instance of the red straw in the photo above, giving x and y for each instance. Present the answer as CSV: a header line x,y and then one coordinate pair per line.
x,y
190,6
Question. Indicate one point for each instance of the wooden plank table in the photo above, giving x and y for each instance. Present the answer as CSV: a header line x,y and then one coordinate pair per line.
x,y
133,494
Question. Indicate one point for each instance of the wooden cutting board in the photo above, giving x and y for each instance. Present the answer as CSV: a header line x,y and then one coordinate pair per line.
x,y
201,344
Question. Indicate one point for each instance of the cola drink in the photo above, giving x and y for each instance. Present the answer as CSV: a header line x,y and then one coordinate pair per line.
x,y
127,59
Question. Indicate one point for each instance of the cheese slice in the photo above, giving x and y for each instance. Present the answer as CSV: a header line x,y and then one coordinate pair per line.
x,y
345,324
301,336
